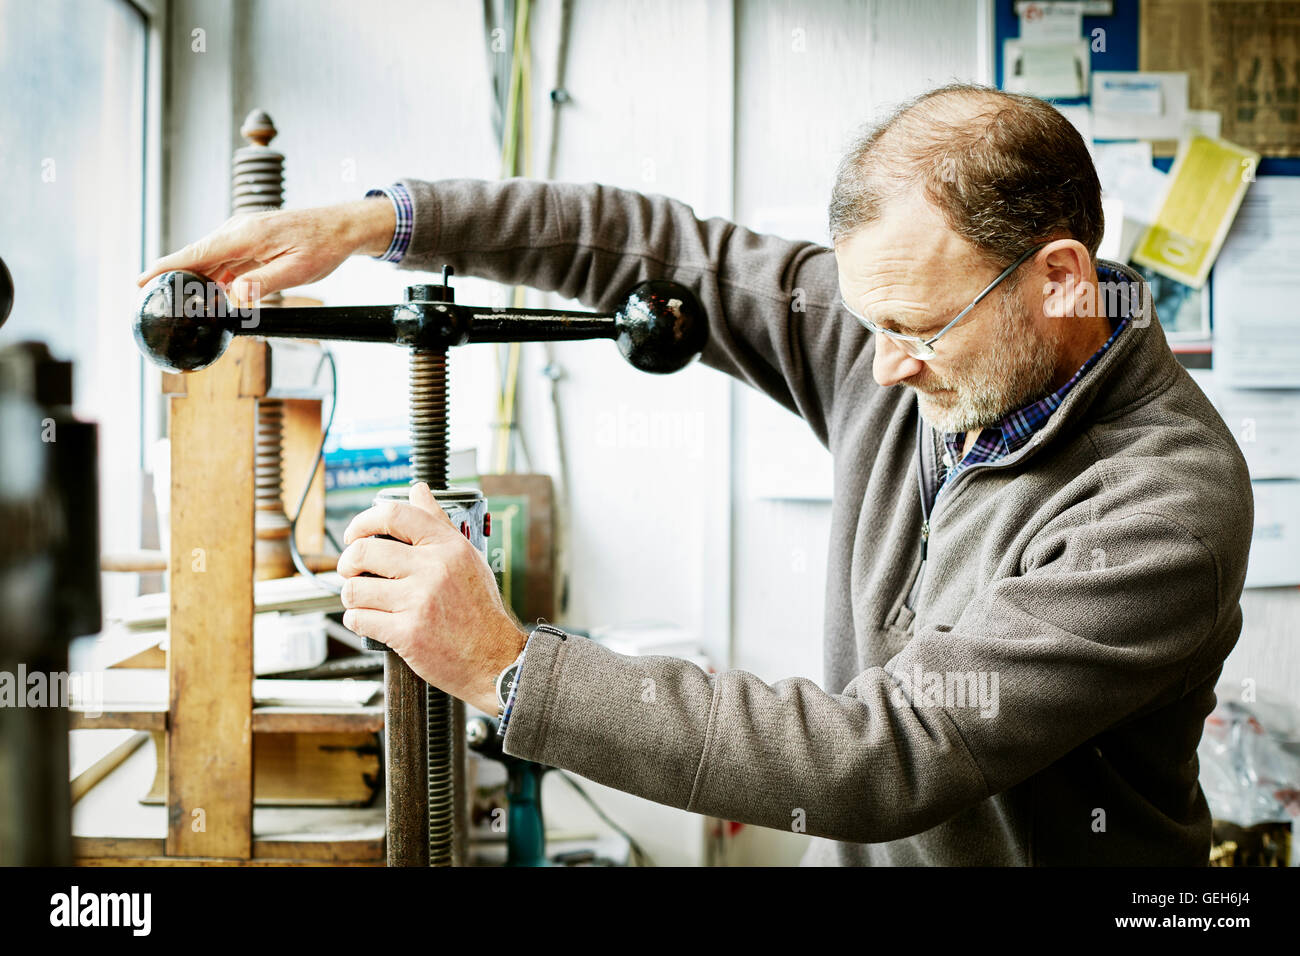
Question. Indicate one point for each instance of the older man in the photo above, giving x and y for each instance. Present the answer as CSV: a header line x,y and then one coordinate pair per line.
x,y
1038,541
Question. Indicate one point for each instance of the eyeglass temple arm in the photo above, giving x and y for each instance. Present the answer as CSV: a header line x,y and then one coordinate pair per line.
x,y
980,298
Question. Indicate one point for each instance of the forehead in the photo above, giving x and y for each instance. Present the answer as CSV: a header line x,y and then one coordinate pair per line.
x,y
905,265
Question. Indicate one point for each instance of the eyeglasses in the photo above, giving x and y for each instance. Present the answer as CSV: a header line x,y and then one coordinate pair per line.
x,y
919,348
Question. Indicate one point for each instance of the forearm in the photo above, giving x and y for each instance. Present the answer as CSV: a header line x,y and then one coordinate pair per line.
x,y
771,302
367,225
731,746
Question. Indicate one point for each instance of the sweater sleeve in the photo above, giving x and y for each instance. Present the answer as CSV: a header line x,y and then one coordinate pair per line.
x,y
773,304
1043,660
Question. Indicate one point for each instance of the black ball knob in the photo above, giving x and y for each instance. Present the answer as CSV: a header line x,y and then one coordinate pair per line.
x,y
183,323
6,292
661,326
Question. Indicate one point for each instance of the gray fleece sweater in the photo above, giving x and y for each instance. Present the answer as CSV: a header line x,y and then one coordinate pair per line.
x,y
1040,699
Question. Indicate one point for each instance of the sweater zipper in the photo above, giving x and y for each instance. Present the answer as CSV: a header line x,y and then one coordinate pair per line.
x,y
926,515
915,589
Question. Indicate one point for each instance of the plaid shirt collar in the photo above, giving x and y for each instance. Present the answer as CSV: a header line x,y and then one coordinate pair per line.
x,y
1017,428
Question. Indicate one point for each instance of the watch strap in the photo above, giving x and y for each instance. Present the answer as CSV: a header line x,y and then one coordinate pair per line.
x,y
503,719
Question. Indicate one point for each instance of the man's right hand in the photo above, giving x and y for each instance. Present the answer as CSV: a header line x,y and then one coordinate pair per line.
x,y
255,254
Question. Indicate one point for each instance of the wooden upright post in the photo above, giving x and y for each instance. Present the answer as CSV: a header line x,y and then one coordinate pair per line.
x,y
210,623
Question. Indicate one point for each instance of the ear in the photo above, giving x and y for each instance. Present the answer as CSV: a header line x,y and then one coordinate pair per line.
x,y
1067,271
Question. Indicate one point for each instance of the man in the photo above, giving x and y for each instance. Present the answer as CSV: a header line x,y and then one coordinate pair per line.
x,y
1039,539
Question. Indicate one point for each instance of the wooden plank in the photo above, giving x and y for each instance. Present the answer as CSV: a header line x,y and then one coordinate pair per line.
x,y
119,720
173,383
111,823
151,658
129,562
294,720
200,861
329,769
336,851
301,770
210,617
147,562
264,721
121,848
254,366
302,433
270,720
92,756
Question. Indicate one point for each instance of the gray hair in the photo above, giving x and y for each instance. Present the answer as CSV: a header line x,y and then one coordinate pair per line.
x,y
1005,171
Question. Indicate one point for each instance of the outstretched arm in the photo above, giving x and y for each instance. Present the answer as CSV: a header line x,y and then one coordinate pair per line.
x,y
774,318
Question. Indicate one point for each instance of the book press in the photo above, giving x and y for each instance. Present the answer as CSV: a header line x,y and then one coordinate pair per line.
x,y
238,435
185,325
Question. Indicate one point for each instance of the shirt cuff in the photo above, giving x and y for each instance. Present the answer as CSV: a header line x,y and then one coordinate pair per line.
x,y
404,210
514,688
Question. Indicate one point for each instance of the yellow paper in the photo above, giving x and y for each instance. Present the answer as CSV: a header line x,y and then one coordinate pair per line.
x,y
1206,185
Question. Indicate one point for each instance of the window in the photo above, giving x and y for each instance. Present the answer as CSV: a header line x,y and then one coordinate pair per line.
x,y
72,224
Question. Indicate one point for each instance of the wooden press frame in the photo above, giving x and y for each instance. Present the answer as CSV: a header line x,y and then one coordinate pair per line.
x,y
210,720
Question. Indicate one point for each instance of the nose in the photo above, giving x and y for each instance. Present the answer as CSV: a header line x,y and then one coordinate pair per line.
x,y
891,364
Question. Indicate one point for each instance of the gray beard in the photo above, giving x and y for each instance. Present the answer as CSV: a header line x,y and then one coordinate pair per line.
x,y
1018,369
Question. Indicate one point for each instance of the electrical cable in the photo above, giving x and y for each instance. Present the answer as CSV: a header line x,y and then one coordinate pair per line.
x,y
553,371
639,856
516,153
326,357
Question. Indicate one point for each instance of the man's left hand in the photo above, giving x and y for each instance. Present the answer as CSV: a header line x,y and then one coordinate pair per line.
x,y
435,601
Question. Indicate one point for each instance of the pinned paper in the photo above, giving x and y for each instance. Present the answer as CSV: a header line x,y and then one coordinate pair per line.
x,y
1276,539
1184,312
1048,70
1265,422
1126,173
1256,286
1112,240
1051,22
1139,105
1139,96
1204,123
1206,185
1131,191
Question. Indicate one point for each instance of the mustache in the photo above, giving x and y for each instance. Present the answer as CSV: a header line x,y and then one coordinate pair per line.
x,y
926,387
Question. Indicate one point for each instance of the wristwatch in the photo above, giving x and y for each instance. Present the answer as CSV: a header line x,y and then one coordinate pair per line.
x,y
506,683
507,679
